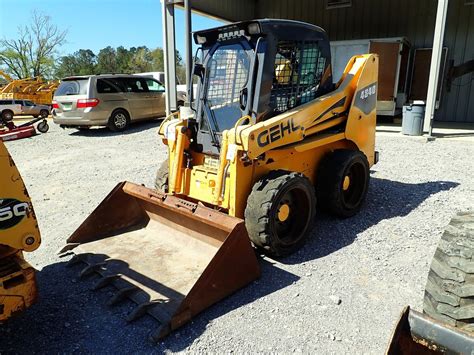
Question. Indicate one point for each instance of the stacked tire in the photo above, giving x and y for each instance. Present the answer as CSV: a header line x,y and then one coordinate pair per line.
x,y
449,292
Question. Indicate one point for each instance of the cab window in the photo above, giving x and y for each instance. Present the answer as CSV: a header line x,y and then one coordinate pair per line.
x,y
299,67
155,86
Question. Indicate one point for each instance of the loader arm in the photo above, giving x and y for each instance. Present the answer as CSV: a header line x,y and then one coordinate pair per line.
x,y
18,232
349,107
18,225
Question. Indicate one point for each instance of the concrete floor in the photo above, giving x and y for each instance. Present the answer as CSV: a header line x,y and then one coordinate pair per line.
x,y
441,130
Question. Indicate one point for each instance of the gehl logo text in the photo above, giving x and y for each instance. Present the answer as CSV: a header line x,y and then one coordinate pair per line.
x,y
276,132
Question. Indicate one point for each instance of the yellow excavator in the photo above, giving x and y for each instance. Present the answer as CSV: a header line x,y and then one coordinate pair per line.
x,y
267,139
18,233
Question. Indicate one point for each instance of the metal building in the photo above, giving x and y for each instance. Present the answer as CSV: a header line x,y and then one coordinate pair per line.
x,y
423,22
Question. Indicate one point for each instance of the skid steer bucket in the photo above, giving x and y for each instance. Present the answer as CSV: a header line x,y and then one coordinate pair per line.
x,y
172,257
418,334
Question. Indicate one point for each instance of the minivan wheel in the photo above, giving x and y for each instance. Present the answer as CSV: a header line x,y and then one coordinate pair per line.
x,y
119,120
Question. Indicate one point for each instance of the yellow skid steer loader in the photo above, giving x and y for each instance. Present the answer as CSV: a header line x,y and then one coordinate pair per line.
x,y
268,135
18,232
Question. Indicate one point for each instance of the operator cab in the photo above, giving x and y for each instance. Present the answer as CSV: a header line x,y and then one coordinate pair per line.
x,y
259,69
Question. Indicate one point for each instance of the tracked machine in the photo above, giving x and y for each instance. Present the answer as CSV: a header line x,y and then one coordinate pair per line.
x,y
267,139
18,233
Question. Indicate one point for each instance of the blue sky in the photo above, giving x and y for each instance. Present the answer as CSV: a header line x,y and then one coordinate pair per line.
x,y
95,24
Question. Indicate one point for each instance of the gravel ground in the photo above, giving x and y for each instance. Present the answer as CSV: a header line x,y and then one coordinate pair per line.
x,y
342,293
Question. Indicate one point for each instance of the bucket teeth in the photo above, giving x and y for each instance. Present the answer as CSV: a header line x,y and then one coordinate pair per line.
x,y
66,250
159,333
142,308
121,295
90,269
76,259
105,281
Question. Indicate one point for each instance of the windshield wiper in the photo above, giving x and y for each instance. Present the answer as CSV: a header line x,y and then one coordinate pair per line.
x,y
210,115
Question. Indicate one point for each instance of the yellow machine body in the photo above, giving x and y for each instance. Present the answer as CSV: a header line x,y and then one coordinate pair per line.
x,y
291,141
18,232
35,89
198,246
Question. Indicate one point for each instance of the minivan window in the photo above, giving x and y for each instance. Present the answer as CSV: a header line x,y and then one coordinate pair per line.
x,y
6,102
109,85
18,102
154,86
29,103
135,85
72,87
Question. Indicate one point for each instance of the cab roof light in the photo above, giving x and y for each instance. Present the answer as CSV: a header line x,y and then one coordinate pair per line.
x,y
254,28
201,39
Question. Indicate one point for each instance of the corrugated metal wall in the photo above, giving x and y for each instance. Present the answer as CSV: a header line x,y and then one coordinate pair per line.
x,y
395,18
413,19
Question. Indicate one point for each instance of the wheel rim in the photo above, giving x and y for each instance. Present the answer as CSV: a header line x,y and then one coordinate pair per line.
x,y
120,120
8,116
353,185
43,127
292,215
283,212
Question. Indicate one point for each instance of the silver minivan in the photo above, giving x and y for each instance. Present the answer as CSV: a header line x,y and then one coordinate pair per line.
x,y
113,100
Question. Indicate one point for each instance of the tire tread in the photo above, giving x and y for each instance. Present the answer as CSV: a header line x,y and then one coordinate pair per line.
x,y
449,291
258,207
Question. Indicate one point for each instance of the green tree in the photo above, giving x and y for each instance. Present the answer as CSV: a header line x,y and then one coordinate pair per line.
x,y
117,60
141,61
157,59
34,52
123,59
107,61
82,62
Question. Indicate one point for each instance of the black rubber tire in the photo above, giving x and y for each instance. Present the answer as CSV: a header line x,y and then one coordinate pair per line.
x,y
7,115
117,116
43,126
35,116
279,238
449,292
44,113
161,180
332,171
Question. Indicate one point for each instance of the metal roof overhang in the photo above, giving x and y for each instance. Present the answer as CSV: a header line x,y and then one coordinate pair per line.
x,y
224,10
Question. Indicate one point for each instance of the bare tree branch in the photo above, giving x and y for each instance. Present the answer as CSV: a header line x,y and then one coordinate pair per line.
x,y
33,53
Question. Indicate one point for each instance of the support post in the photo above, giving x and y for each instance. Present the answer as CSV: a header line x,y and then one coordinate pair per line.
x,y
189,48
169,55
435,65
